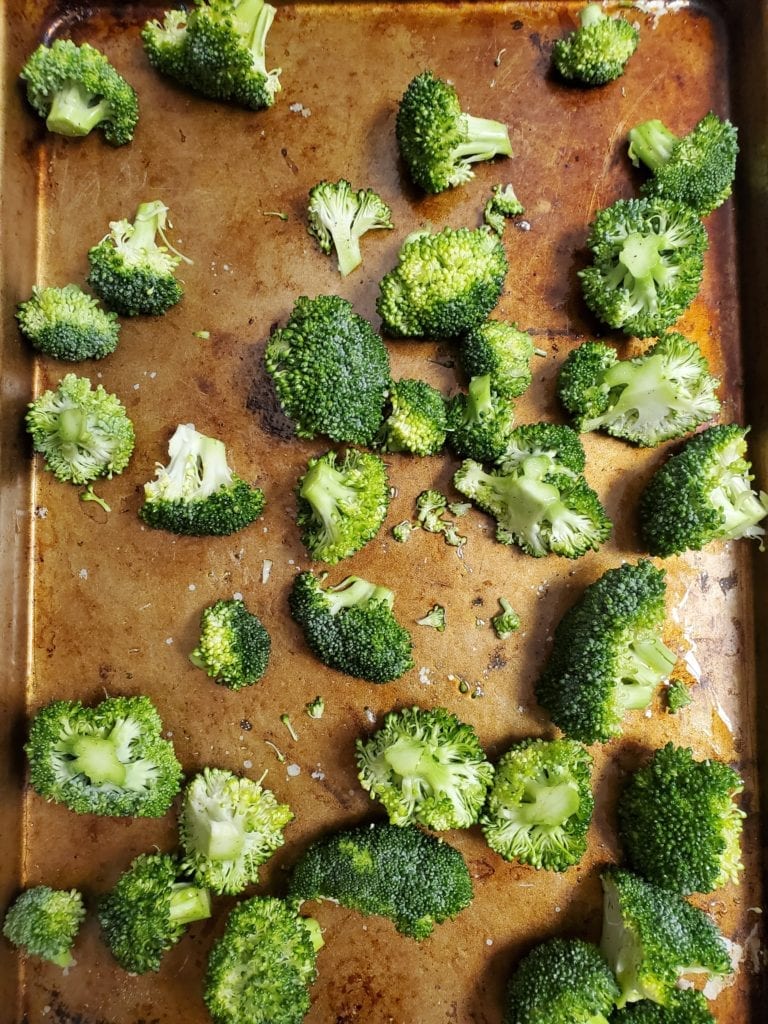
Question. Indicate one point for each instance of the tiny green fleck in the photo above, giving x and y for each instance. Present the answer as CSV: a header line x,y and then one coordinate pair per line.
x,y
275,213
202,335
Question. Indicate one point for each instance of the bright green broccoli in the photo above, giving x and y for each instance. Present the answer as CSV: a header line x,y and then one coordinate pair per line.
x,y
65,323
679,822
444,284
261,967
664,393
480,423
648,262
684,1007
597,51
76,89
540,804
394,871
427,768
197,494
562,981
502,205
109,759
702,493
130,272
607,657
165,44
339,217
438,141
506,621
697,169
233,647
678,696
351,628
331,371
501,350
416,419
341,506
539,498
44,922
82,433
651,937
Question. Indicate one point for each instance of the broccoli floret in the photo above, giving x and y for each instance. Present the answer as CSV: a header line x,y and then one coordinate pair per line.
x,y
165,44
480,423
394,871
598,51
82,433
44,922
684,1007
438,142
502,204
702,494
435,618
228,826
678,696
76,89
416,420
402,531
538,497
339,217
341,507
444,284
65,323
501,350
651,937
233,647
607,657
426,767
697,169
540,804
430,506
562,981
197,494
331,371
664,393
315,708
648,261
351,628
260,969
109,759
679,822
130,271
148,911
506,621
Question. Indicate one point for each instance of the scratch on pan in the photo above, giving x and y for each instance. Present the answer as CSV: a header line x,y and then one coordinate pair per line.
x,y
721,714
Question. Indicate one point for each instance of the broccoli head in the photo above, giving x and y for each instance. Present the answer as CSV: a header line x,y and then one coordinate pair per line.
x,y
684,1007
679,822
480,422
197,494
416,420
331,371
76,89
109,759
341,507
607,657
65,323
82,433
598,51
702,493
505,622
501,350
502,205
648,262
664,393
44,922
233,647
351,628
393,871
697,169
438,141
427,768
444,284
339,217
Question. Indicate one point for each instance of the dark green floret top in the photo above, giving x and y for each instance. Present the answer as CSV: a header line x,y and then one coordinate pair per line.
x,y
339,216
684,1007
65,323
501,350
44,922
480,423
597,51
416,419
233,647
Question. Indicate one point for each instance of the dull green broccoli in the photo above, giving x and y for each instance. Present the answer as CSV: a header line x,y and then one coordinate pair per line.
x,y
339,217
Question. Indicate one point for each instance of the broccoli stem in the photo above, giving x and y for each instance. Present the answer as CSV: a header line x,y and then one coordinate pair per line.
x,y
653,658
96,758
652,143
591,15
218,840
150,218
479,403
484,139
216,473
252,20
354,592
73,111
410,759
315,932
324,490
72,426
547,804
640,254
188,903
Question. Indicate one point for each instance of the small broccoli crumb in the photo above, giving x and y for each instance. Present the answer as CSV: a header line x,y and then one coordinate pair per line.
x,y
276,751
402,532
315,708
202,335
506,621
286,720
459,508
435,617
678,696
89,495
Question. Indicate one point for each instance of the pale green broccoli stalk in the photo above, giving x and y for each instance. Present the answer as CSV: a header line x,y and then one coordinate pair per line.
x,y
598,51
502,205
501,350
435,618
315,708
480,423
44,922
339,217
65,323
416,420
233,647
505,622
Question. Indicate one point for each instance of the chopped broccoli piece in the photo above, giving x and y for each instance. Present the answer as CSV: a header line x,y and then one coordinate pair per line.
x,y
339,217
315,708
607,657
438,141
148,911
394,871
427,768
286,721
444,284
648,262
501,350
664,393
430,505
686,1007
65,323
341,507
416,421
459,508
44,922
402,531
480,423
506,621
197,494
678,696
331,370
82,433
351,628
679,822
233,647
89,495
76,89
697,169
651,937
435,618
502,204
702,494
597,51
